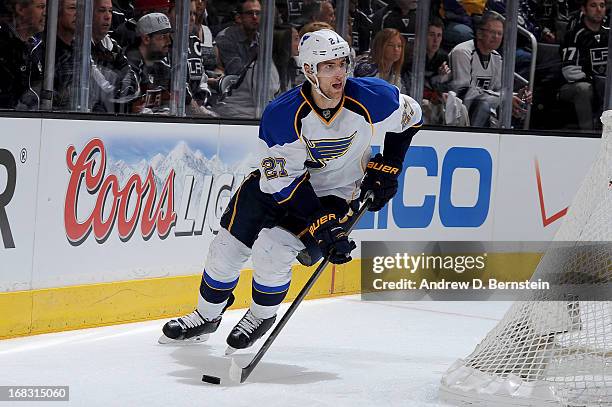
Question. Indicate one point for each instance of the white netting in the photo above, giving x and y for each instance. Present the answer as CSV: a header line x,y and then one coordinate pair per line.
x,y
547,352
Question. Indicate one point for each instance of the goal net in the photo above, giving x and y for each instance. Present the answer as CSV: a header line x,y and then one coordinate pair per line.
x,y
554,349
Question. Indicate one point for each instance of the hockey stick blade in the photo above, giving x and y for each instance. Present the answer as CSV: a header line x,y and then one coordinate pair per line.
x,y
240,374
236,372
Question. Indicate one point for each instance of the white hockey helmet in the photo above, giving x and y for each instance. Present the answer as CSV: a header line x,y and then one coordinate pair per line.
x,y
319,46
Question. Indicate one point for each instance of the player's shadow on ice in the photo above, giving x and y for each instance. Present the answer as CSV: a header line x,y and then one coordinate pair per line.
x,y
200,360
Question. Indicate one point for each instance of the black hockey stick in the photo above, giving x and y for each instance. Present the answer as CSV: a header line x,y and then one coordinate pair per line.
x,y
240,374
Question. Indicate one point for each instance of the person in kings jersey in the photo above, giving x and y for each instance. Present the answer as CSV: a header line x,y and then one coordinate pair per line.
x,y
314,150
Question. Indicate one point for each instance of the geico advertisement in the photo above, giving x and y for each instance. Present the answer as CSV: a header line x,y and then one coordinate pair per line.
x,y
132,200
19,150
445,191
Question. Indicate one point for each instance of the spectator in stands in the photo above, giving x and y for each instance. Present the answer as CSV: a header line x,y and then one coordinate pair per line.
x,y
64,54
459,23
202,13
386,58
125,34
115,84
440,104
398,14
202,31
238,44
198,91
361,25
553,17
584,52
284,52
314,26
477,70
21,56
317,10
149,60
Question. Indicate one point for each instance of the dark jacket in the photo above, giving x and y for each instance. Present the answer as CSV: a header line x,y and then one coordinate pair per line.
x,y
121,84
21,70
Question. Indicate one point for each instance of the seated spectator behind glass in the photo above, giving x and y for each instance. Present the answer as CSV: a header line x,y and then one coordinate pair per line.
x,y
22,55
477,70
361,24
115,84
584,54
386,58
64,53
201,30
149,60
398,14
554,16
198,92
238,44
439,105
243,100
458,17
317,10
284,52
125,34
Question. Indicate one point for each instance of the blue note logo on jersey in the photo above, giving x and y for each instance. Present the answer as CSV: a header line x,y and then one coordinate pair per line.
x,y
321,151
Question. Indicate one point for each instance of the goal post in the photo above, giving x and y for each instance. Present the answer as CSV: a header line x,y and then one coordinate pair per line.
x,y
548,351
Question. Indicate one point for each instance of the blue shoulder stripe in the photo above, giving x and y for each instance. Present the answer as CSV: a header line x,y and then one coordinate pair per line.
x,y
379,97
278,123
286,193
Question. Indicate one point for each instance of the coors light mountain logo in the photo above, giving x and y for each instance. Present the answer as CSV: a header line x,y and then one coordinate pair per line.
x,y
182,191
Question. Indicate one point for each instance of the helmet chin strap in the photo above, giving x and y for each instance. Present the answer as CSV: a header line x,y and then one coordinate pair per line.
x,y
315,84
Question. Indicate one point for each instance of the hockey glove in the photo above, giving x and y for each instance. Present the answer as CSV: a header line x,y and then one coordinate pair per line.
x,y
331,238
380,178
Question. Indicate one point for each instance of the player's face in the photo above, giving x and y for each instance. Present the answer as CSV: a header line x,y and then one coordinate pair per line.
x,y
102,17
332,77
595,11
434,39
393,49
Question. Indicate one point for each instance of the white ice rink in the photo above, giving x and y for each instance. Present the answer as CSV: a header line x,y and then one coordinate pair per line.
x,y
333,352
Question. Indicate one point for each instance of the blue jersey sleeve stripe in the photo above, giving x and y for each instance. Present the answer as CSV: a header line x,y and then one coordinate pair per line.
x,y
270,290
286,193
219,285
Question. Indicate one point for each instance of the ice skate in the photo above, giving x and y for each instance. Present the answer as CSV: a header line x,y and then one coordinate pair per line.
x,y
191,328
247,331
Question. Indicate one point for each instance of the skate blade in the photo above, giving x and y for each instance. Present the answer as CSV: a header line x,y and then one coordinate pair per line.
x,y
164,340
230,350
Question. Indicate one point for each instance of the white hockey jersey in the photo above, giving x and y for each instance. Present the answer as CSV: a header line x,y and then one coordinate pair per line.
x,y
297,143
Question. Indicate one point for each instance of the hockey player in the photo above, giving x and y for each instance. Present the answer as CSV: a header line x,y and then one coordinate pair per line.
x,y
314,148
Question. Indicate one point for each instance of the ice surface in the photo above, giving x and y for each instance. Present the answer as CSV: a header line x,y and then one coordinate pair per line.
x,y
334,352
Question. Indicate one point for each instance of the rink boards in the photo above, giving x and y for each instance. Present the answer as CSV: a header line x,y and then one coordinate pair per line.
x,y
105,222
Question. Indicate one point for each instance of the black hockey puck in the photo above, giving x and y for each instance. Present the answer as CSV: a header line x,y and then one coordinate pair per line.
x,y
211,379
